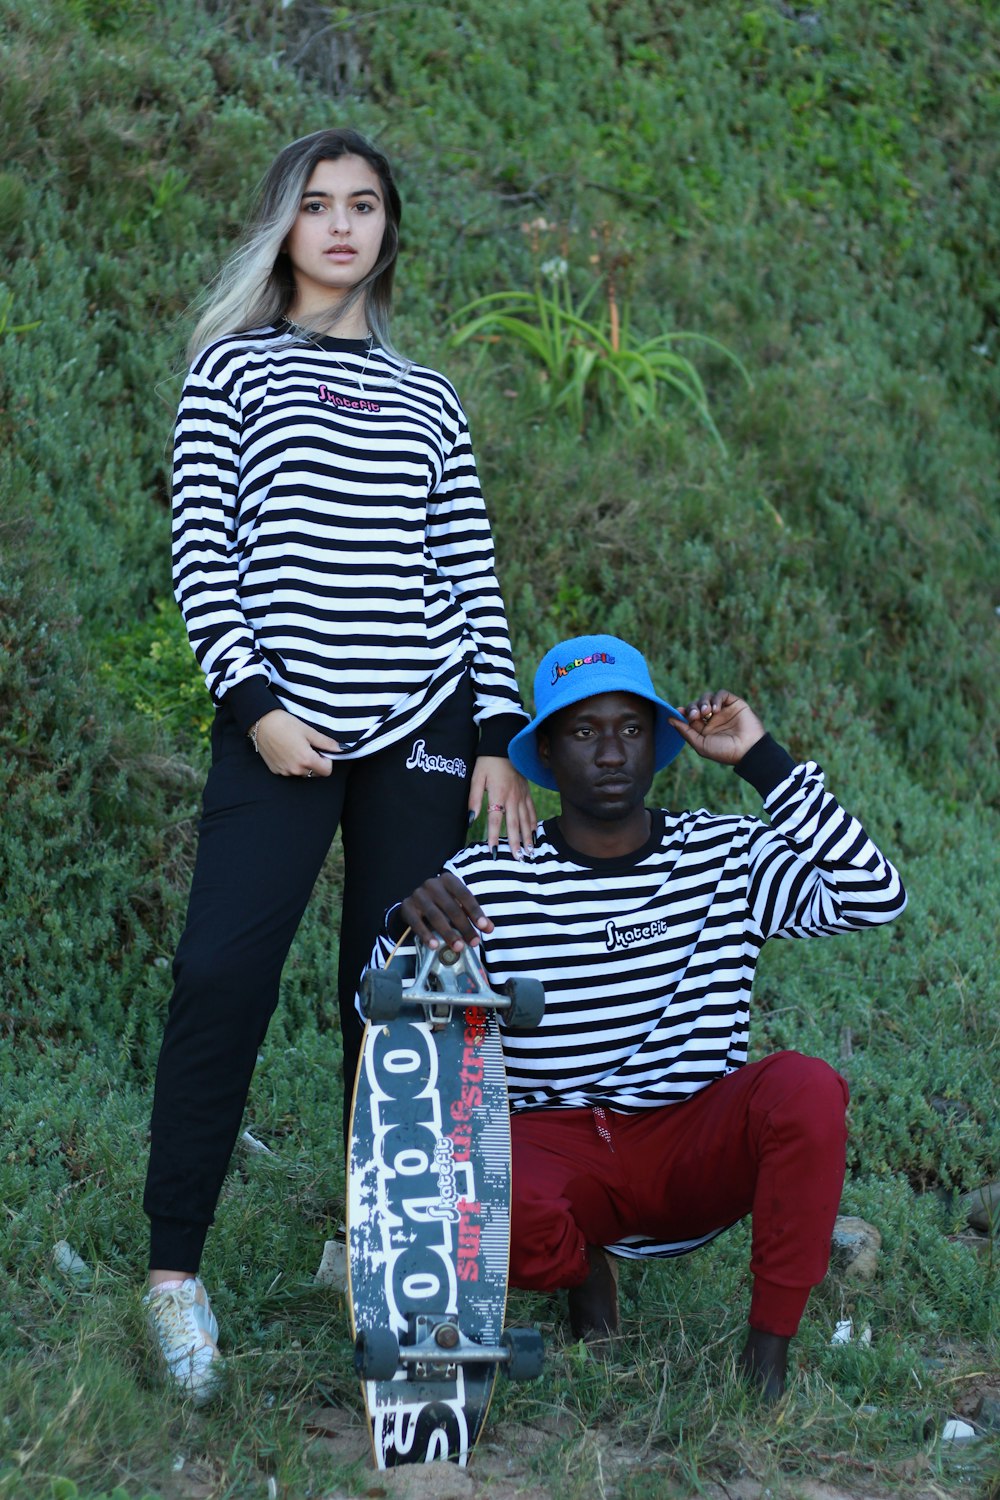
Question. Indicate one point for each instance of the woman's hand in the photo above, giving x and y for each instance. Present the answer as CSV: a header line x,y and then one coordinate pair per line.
x,y
290,748
508,797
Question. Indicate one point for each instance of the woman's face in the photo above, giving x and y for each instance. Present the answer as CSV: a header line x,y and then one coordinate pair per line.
x,y
337,234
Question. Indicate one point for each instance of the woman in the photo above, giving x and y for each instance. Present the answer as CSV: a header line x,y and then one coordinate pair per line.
x,y
334,566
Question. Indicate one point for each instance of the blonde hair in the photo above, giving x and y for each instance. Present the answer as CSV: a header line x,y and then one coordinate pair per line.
x,y
255,286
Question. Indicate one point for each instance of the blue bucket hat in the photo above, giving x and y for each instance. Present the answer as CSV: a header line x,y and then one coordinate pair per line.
x,y
582,668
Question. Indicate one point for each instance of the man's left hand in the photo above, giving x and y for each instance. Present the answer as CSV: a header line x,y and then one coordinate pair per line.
x,y
720,727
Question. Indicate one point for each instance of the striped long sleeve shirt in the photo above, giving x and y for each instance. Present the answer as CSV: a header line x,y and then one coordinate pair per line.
x,y
331,549
648,960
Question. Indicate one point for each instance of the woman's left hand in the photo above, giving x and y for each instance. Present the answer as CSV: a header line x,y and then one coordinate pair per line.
x,y
508,797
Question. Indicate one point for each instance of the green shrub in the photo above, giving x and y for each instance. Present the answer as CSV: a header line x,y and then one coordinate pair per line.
x,y
13,208
589,364
153,669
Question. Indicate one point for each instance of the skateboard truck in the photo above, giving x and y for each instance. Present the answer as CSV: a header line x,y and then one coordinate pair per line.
x,y
439,1346
446,981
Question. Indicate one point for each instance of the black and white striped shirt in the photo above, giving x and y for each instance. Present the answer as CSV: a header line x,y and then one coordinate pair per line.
x,y
648,960
332,553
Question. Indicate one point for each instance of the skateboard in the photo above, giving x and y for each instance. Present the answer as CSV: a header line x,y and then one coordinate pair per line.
x,y
428,1203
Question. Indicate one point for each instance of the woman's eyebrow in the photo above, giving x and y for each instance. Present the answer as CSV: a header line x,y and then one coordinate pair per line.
x,y
364,192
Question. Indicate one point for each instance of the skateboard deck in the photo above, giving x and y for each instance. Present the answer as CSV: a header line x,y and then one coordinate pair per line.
x,y
428,1206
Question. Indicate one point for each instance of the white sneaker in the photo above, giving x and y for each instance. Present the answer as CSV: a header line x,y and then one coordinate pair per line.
x,y
183,1326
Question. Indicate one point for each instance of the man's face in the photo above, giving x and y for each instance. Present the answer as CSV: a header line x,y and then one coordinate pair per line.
x,y
601,752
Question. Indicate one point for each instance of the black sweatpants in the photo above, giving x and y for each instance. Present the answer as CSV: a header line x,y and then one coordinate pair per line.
x,y
262,842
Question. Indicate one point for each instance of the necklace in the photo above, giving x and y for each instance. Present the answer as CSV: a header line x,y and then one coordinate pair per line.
x,y
358,376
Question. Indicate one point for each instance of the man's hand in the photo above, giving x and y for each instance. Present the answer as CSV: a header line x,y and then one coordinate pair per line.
x,y
290,748
444,911
720,727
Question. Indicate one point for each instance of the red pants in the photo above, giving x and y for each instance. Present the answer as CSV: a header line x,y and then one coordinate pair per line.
x,y
768,1140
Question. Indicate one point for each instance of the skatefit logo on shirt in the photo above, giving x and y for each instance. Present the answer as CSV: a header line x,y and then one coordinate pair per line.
x,y
563,669
419,760
632,936
334,398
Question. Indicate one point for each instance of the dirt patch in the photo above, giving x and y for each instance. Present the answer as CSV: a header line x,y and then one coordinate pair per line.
x,y
506,1466
337,1431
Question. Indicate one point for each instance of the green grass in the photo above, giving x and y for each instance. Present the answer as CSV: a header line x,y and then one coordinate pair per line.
x,y
815,188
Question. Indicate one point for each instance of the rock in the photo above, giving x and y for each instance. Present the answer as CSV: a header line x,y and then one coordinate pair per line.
x,y
332,1270
955,1431
987,1414
66,1260
981,1207
855,1248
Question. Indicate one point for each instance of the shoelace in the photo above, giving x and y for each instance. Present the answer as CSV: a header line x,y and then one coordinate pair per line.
x,y
171,1303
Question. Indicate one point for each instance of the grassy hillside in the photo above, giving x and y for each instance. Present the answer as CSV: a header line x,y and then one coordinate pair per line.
x,y
816,189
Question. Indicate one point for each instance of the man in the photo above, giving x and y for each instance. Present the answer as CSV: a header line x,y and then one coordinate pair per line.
x,y
638,1126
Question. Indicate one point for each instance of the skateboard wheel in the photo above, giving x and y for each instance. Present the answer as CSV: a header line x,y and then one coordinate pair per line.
x,y
527,1002
381,994
376,1354
527,1353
